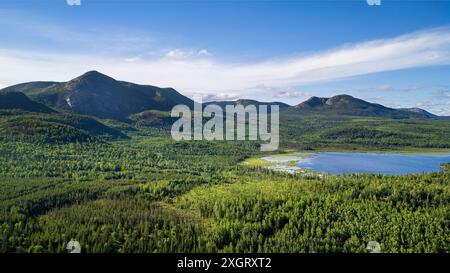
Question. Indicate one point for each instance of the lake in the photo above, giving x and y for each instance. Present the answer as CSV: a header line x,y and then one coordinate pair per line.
x,y
384,163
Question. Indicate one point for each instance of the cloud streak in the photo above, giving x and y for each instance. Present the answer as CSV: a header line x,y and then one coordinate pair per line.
x,y
183,54
200,72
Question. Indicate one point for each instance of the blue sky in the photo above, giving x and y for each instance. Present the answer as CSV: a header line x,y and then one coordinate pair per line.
x,y
396,54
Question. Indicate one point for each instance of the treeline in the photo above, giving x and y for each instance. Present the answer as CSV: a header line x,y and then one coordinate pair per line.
x,y
119,160
363,133
246,210
267,213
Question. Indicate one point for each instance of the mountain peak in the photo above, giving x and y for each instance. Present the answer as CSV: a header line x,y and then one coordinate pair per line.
x,y
94,73
313,102
94,76
345,99
91,80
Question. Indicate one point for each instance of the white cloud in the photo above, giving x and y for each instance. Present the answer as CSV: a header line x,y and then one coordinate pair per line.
x,y
372,98
205,75
292,94
132,59
390,88
179,54
183,54
220,97
203,52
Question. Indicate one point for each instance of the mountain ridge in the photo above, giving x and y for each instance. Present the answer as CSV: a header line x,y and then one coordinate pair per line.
x,y
99,95
348,105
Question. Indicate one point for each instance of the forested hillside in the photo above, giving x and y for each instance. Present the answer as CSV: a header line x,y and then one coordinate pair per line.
x,y
115,181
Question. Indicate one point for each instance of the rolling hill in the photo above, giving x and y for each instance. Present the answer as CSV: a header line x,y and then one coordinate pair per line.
x,y
22,119
15,100
349,106
54,128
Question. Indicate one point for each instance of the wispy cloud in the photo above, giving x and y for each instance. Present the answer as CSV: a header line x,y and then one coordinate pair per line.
x,y
183,54
372,98
420,49
441,108
220,97
292,94
389,88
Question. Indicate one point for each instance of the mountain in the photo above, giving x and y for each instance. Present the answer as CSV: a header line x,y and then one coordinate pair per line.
x,y
15,100
418,111
98,95
350,106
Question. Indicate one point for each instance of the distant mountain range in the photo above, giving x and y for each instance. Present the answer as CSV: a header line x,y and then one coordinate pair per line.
x,y
350,106
98,95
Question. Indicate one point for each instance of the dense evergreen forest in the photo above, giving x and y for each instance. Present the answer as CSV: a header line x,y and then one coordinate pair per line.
x,y
151,194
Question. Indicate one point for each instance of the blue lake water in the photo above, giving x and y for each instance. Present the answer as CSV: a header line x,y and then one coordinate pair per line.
x,y
387,163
